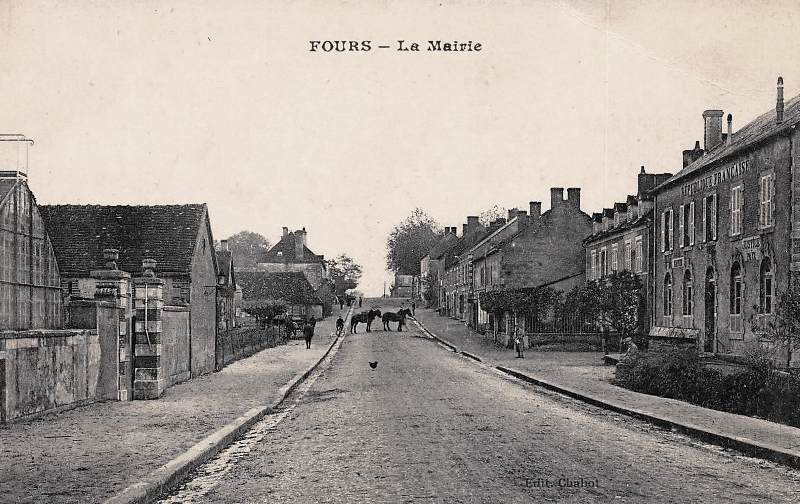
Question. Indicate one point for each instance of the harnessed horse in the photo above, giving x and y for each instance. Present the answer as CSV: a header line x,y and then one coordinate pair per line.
x,y
399,317
366,317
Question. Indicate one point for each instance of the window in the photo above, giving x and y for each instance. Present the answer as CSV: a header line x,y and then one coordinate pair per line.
x,y
736,298
737,203
603,262
666,230
690,226
614,258
637,260
766,292
628,258
766,197
683,238
667,299
688,294
593,266
710,218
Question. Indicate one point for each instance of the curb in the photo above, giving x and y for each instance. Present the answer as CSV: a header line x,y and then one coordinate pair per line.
x,y
471,356
165,477
747,446
437,338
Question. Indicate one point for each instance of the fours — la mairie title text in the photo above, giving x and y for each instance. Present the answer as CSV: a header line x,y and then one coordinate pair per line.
x,y
348,46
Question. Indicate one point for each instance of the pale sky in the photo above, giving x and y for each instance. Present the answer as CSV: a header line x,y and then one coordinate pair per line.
x,y
143,102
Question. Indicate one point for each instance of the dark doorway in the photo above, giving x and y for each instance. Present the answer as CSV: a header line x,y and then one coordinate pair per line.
x,y
710,312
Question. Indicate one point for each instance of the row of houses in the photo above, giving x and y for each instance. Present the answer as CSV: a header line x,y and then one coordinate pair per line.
x,y
714,241
120,302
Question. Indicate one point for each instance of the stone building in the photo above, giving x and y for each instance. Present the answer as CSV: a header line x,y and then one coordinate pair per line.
x,y
292,254
226,288
431,268
177,237
289,288
621,240
457,278
728,230
486,266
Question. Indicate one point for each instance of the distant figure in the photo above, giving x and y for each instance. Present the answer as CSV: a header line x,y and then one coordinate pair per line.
x,y
308,332
631,351
373,365
339,325
341,304
359,302
519,344
413,309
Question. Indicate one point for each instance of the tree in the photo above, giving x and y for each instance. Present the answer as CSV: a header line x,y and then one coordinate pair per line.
x,y
247,248
344,272
616,301
492,213
430,289
410,241
783,328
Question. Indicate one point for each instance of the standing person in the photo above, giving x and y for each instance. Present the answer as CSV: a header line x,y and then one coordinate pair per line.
x,y
413,309
341,304
359,302
518,343
339,326
308,332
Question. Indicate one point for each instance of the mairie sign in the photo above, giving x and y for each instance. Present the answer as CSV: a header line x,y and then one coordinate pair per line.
x,y
728,173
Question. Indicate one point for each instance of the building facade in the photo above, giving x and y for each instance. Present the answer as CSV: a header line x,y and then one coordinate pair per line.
x,y
292,254
621,240
724,252
457,278
431,268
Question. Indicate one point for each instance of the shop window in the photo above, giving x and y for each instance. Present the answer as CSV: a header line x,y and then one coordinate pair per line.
x,y
667,299
688,294
766,292
736,299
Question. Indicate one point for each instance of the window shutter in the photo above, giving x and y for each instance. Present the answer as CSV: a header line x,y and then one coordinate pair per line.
x,y
681,219
772,199
663,230
714,218
671,229
705,219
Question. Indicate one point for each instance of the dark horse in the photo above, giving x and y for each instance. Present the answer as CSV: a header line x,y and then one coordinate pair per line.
x,y
399,317
366,317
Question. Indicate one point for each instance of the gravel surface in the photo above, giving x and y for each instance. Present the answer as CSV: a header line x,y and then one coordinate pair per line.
x,y
429,426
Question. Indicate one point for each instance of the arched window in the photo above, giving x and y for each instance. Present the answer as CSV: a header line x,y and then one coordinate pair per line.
x,y
766,293
736,298
667,297
688,294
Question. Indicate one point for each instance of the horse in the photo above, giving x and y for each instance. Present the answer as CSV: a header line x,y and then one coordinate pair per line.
x,y
366,317
399,317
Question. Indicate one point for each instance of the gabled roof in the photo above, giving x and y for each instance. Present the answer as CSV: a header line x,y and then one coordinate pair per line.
x,y
466,241
754,132
284,251
166,233
442,246
622,228
226,269
290,287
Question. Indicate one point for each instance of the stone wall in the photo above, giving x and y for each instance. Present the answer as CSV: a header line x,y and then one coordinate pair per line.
x,y
175,344
43,371
203,305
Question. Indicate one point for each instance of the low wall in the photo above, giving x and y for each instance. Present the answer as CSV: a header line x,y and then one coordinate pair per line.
x,y
42,371
175,343
242,342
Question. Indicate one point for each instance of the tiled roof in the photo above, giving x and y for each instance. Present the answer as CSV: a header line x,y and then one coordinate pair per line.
x,y
625,226
166,233
290,287
442,246
465,242
286,247
757,130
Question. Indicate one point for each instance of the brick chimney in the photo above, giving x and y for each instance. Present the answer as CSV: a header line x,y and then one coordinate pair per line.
x,y
597,222
729,137
473,221
692,155
223,245
285,231
512,213
713,129
556,196
779,102
535,210
299,243
574,197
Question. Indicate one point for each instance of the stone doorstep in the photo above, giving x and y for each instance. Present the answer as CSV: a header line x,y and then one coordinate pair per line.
x,y
148,389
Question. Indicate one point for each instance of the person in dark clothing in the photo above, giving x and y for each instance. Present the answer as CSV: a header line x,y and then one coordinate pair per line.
x,y
308,332
341,304
413,309
359,302
339,325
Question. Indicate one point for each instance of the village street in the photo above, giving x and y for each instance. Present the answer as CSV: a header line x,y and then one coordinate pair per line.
x,y
430,426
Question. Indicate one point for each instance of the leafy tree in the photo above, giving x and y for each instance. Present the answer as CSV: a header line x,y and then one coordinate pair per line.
x,y
247,248
490,214
410,241
783,327
616,302
263,312
430,289
344,272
